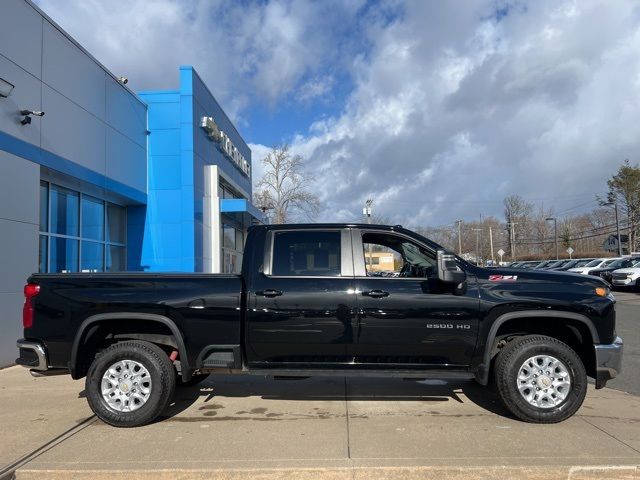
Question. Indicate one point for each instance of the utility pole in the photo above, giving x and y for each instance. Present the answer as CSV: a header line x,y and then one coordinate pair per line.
x,y
477,230
493,259
555,232
459,222
512,238
615,207
366,211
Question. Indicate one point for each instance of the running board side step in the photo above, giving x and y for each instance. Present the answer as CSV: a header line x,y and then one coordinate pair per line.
x,y
435,374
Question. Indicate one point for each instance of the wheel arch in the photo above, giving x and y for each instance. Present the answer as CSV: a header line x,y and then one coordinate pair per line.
x,y
524,316
101,318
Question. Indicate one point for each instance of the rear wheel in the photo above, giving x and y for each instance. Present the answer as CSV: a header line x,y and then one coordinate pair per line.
x,y
540,379
130,383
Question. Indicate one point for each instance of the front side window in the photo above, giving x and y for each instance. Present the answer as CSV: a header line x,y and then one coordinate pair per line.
x,y
306,253
388,255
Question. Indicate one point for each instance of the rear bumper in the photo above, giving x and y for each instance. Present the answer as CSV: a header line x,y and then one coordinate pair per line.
x,y
32,355
608,361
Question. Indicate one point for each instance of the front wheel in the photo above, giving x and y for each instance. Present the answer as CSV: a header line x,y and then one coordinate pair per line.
x,y
130,383
540,379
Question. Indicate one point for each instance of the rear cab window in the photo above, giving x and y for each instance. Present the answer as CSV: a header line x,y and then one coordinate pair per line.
x,y
307,253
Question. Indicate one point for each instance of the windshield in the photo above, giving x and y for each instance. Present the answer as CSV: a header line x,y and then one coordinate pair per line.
x,y
582,263
557,264
621,263
610,262
594,263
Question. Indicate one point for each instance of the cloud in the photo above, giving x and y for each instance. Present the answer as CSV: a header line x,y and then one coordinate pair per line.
x,y
457,107
246,52
449,108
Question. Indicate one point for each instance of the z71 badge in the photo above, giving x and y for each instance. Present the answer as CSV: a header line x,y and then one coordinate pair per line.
x,y
503,278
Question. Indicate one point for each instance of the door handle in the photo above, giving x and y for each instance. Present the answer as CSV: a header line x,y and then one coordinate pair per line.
x,y
269,293
376,293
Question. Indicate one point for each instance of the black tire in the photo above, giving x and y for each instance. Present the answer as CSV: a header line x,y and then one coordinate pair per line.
x,y
194,380
513,356
161,372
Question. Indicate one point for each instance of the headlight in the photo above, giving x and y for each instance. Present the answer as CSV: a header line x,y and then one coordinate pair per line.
x,y
602,291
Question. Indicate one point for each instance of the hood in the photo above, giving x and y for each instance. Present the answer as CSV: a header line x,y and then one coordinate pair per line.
x,y
579,270
627,270
517,275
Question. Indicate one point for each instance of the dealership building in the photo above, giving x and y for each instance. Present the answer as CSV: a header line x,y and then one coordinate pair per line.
x,y
97,178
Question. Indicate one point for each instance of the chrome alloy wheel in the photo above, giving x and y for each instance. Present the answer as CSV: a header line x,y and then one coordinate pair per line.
x,y
544,381
126,386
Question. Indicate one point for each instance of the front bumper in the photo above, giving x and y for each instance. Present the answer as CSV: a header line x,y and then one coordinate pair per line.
x,y
622,282
608,361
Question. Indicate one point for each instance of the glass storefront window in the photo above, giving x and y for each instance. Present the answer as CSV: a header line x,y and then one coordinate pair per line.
x,y
92,257
116,224
115,258
64,255
80,232
44,206
42,260
92,218
229,236
65,209
239,240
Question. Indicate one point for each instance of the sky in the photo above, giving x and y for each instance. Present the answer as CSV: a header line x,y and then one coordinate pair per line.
x,y
435,110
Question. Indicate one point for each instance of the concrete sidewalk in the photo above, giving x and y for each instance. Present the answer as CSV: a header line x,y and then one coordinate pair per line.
x,y
236,427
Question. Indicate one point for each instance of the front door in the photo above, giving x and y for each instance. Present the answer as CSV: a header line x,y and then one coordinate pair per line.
x,y
301,310
407,316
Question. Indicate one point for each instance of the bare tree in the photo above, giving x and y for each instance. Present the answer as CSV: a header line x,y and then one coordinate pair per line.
x,y
517,211
284,187
624,190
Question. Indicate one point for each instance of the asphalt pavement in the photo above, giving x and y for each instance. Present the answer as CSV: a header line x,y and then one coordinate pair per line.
x,y
628,327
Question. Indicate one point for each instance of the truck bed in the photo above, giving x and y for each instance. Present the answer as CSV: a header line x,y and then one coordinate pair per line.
x,y
206,308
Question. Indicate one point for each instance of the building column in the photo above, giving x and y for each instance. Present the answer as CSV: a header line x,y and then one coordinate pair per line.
x,y
211,229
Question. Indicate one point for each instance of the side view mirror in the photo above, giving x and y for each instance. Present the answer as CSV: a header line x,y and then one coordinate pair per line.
x,y
448,270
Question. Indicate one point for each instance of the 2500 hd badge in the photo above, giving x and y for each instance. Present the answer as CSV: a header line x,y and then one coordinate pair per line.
x,y
451,326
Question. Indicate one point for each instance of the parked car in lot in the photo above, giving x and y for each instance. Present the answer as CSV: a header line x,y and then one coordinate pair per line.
x,y
621,263
544,263
555,265
596,263
572,264
305,304
627,276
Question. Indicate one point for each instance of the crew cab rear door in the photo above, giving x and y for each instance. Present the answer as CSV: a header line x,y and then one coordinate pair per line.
x,y
407,316
301,307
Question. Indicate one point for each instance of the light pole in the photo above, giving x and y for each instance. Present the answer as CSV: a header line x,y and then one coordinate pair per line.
x,y
512,239
477,230
555,232
459,222
615,207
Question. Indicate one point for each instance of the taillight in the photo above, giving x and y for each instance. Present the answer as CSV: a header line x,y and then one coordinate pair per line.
x,y
30,291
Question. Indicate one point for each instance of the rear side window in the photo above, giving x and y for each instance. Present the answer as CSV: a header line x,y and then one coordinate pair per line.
x,y
306,254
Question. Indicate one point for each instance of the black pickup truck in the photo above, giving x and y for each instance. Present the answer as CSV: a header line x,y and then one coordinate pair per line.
x,y
313,300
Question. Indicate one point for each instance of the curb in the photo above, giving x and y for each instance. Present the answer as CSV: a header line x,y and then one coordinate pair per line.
x,y
618,472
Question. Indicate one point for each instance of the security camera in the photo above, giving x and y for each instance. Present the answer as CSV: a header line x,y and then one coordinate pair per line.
x,y
35,113
26,120
123,80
